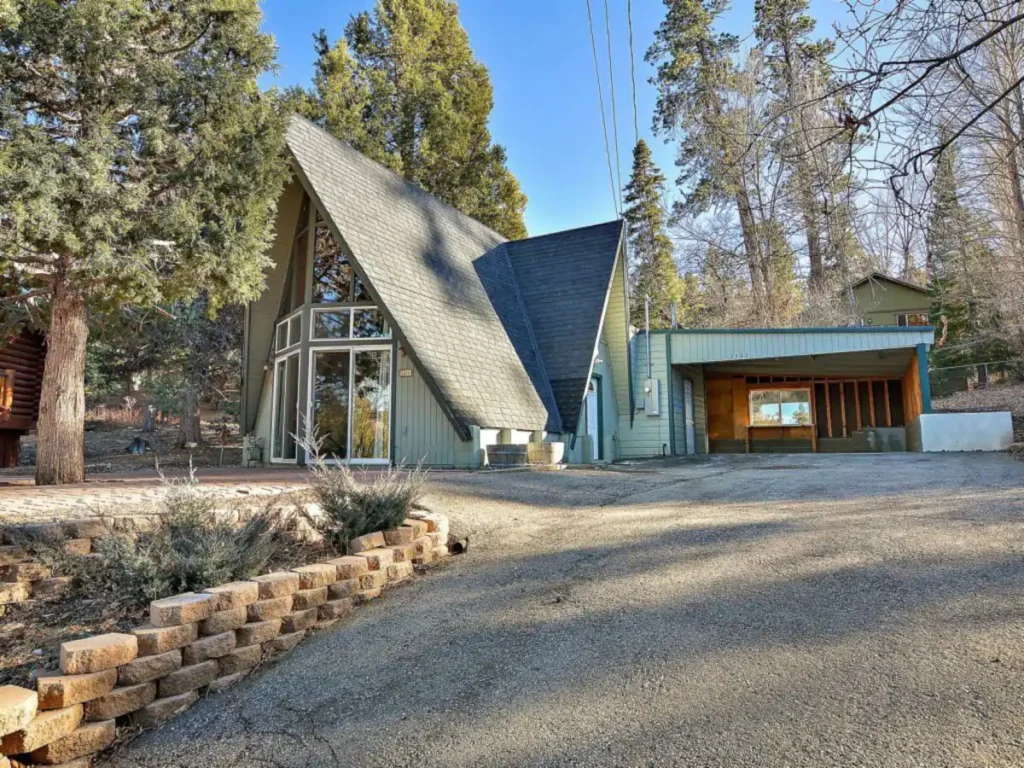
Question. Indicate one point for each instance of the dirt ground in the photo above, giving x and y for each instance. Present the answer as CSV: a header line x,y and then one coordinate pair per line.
x,y
1002,397
107,443
803,611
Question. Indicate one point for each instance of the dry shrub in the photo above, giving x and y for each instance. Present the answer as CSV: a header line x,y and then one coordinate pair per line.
x,y
189,550
351,508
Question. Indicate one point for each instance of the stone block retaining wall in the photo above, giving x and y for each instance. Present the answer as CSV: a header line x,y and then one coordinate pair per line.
x,y
197,643
23,578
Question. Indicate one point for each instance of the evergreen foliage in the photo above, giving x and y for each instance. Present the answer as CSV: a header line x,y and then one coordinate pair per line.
x,y
653,270
403,87
139,164
959,262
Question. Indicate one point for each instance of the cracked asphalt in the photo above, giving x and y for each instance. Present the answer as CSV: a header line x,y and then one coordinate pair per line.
x,y
747,611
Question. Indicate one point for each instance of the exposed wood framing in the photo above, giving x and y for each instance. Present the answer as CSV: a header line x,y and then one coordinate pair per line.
x,y
856,400
842,403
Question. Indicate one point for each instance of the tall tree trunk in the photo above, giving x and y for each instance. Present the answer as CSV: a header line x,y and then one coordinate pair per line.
x,y
60,456
804,174
755,260
189,431
816,259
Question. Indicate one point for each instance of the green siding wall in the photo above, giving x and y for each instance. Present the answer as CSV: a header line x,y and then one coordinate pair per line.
x,y
609,411
616,333
648,435
262,315
422,431
879,301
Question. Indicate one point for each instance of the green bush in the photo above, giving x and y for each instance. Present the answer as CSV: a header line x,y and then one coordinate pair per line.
x,y
188,551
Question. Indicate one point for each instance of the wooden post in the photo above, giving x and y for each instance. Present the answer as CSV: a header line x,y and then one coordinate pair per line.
x,y
814,420
842,403
871,402
828,406
888,405
856,391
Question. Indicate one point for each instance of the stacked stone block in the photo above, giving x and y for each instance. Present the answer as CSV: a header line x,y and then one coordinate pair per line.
x,y
193,643
22,579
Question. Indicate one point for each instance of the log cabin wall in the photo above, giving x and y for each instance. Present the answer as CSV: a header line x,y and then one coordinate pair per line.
x,y
21,380
841,410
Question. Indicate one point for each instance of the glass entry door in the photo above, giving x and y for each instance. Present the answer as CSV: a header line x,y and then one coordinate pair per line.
x,y
284,424
350,402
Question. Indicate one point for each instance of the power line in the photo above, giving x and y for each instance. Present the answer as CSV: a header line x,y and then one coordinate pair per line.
x,y
611,86
600,99
632,73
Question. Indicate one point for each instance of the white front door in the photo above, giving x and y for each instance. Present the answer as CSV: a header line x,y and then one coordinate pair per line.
x,y
688,414
593,421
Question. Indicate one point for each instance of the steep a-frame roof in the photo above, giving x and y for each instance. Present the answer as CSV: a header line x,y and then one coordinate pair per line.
x,y
564,279
444,280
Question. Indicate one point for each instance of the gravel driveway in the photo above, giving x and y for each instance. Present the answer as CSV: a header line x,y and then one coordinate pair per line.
x,y
752,611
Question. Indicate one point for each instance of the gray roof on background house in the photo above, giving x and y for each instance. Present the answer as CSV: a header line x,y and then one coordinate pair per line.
x,y
881,277
564,279
446,282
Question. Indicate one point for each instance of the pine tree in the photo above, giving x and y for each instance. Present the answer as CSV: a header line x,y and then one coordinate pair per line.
x,y
959,263
697,80
403,87
653,271
139,164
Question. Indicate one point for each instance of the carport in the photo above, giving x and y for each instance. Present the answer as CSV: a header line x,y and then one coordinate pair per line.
x,y
788,390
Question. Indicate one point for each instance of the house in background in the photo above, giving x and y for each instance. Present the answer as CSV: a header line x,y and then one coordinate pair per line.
x,y
22,359
403,331
886,301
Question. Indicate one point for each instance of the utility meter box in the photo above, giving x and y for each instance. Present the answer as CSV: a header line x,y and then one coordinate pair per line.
x,y
652,397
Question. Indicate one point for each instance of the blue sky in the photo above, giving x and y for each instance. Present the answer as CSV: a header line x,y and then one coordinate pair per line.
x,y
545,96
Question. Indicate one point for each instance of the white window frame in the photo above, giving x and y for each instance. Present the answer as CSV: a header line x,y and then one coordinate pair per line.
x,y
351,309
273,405
286,322
352,349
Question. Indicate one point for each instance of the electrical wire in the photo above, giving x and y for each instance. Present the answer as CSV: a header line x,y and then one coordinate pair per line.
x,y
611,87
600,99
632,74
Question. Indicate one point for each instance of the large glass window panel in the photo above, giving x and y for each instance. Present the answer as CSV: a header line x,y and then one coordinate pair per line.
x,y
286,389
331,400
369,324
359,292
295,330
795,407
780,407
332,273
332,325
764,408
371,408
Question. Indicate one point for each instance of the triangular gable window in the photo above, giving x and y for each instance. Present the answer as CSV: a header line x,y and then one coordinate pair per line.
x,y
334,280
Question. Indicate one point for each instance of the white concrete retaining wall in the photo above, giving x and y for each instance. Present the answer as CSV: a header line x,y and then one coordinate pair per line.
x,y
960,432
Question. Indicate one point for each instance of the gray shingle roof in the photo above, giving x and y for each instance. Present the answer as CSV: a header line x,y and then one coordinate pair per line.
x,y
444,279
564,279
